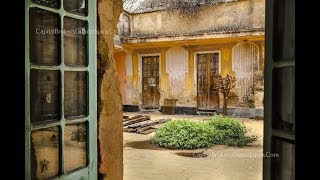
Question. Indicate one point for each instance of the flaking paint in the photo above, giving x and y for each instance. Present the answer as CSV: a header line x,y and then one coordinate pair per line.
x,y
187,96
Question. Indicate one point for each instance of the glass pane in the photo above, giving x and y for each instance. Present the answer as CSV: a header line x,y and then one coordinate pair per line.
x,y
45,153
76,6
75,150
284,30
283,104
45,95
75,50
44,37
283,166
49,3
75,94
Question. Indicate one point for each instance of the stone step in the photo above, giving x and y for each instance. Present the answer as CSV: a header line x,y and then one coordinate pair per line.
x,y
206,112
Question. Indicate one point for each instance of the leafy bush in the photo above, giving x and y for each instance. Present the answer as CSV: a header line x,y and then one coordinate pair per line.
x,y
230,131
251,104
184,134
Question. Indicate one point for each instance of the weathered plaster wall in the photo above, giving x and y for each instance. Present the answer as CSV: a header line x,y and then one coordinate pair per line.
x,y
132,96
176,67
175,37
120,59
110,135
178,73
245,62
132,87
259,79
232,16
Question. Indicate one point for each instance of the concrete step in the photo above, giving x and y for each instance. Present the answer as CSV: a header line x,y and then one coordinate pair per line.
x,y
206,112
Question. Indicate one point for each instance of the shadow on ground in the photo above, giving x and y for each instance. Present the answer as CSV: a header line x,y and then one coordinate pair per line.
x,y
146,144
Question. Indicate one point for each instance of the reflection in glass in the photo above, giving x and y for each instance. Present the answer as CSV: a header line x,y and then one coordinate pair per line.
x,y
45,153
284,30
76,6
49,3
44,95
44,37
75,149
284,99
75,94
75,51
283,160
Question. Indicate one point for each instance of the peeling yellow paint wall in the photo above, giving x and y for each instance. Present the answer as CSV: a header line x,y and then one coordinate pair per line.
x,y
178,76
132,83
226,61
259,84
191,88
177,39
245,64
177,67
164,76
119,58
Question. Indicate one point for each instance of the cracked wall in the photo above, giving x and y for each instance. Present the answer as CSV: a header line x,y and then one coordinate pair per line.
x,y
178,73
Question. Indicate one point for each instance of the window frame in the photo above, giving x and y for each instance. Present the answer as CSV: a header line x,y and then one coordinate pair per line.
x,y
272,134
90,170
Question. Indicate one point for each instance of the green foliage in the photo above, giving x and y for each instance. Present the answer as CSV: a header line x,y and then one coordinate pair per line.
x,y
230,131
184,134
251,103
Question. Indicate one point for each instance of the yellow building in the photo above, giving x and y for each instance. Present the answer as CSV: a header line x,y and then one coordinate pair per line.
x,y
164,55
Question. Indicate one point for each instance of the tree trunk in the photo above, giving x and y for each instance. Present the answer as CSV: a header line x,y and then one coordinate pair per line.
x,y
225,105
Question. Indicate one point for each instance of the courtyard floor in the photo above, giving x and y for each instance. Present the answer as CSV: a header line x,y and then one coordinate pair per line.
x,y
143,161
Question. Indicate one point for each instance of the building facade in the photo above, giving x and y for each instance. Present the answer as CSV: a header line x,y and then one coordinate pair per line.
x,y
164,55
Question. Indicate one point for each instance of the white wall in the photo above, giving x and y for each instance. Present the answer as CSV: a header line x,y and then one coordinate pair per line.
x,y
176,67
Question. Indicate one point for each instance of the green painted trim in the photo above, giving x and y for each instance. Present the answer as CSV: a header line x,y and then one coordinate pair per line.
x,y
268,88
283,64
79,120
89,172
283,134
28,127
92,71
61,67
270,65
60,11
37,126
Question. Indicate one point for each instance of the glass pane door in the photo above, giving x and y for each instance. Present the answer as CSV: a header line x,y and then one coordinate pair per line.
x,y
60,119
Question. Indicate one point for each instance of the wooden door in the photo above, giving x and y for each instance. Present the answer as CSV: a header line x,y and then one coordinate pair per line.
x,y
150,82
208,70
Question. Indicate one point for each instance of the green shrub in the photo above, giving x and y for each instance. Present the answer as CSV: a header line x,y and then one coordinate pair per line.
x,y
230,131
184,134
251,104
